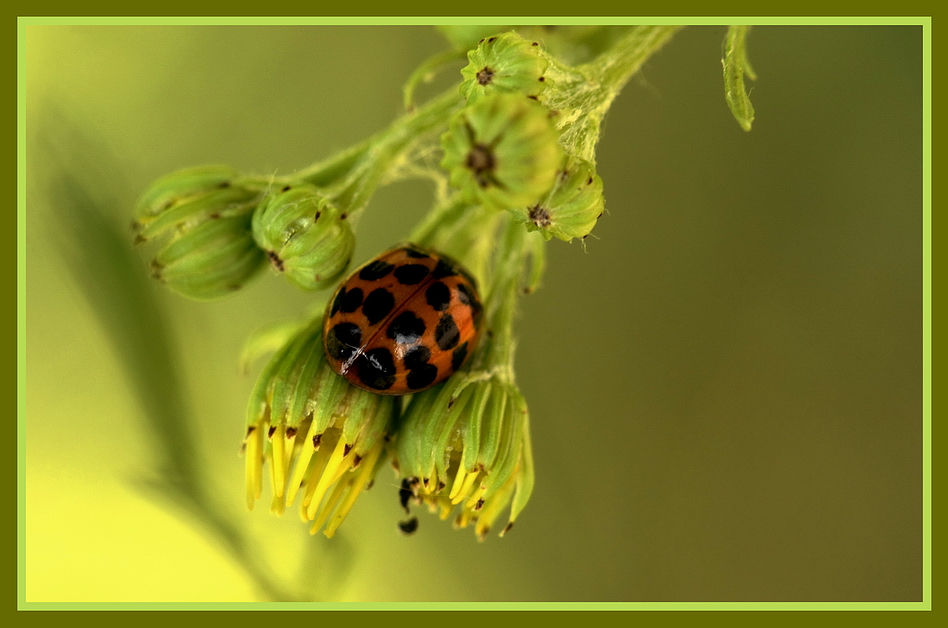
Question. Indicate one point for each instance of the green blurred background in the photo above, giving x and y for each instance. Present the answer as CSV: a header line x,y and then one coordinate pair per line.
x,y
725,386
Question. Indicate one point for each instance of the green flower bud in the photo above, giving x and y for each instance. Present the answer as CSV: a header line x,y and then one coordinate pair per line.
x,y
205,215
467,444
211,259
502,150
504,63
306,237
181,188
571,208
323,439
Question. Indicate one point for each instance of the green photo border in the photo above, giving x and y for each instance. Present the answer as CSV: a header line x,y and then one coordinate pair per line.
x,y
924,605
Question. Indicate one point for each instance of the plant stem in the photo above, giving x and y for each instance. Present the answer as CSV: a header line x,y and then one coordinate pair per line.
x,y
583,94
352,176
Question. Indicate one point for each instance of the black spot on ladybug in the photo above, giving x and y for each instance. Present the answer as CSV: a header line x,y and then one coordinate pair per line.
x,y
417,357
343,340
410,274
408,527
376,368
438,296
443,269
406,328
351,301
375,270
337,301
458,356
421,377
467,297
446,333
377,305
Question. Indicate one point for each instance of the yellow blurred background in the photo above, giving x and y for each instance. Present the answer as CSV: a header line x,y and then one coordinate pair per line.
x,y
725,385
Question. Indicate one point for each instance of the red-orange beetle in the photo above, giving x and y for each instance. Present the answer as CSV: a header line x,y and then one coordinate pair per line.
x,y
403,322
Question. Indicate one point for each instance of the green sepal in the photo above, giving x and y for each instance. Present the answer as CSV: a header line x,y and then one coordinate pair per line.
x,y
210,260
181,186
504,63
306,237
502,151
572,206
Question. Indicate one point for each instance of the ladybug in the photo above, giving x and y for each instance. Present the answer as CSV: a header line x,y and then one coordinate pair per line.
x,y
403,322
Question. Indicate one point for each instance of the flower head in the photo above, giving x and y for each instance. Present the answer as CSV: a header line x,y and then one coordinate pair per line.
x,y
504,63
467,445
305,236
572,206
323,438
204,215
502,151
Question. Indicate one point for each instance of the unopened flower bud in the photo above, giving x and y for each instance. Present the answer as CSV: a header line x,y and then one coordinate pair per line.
x,y
467,444
504,63
503,150
211,259
572,206
205,214
305,236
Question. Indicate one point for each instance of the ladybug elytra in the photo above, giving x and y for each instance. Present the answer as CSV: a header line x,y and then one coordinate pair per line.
x,y
403,322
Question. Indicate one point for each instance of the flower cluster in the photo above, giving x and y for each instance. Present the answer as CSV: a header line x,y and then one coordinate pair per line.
x,y
506,148
518,137
204,215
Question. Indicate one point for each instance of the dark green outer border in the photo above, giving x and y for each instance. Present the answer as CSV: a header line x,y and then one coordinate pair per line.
x,y
925,22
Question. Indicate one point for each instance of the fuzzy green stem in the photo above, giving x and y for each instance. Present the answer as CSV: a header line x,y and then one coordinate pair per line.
x,y
352,177
502,299
583,94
